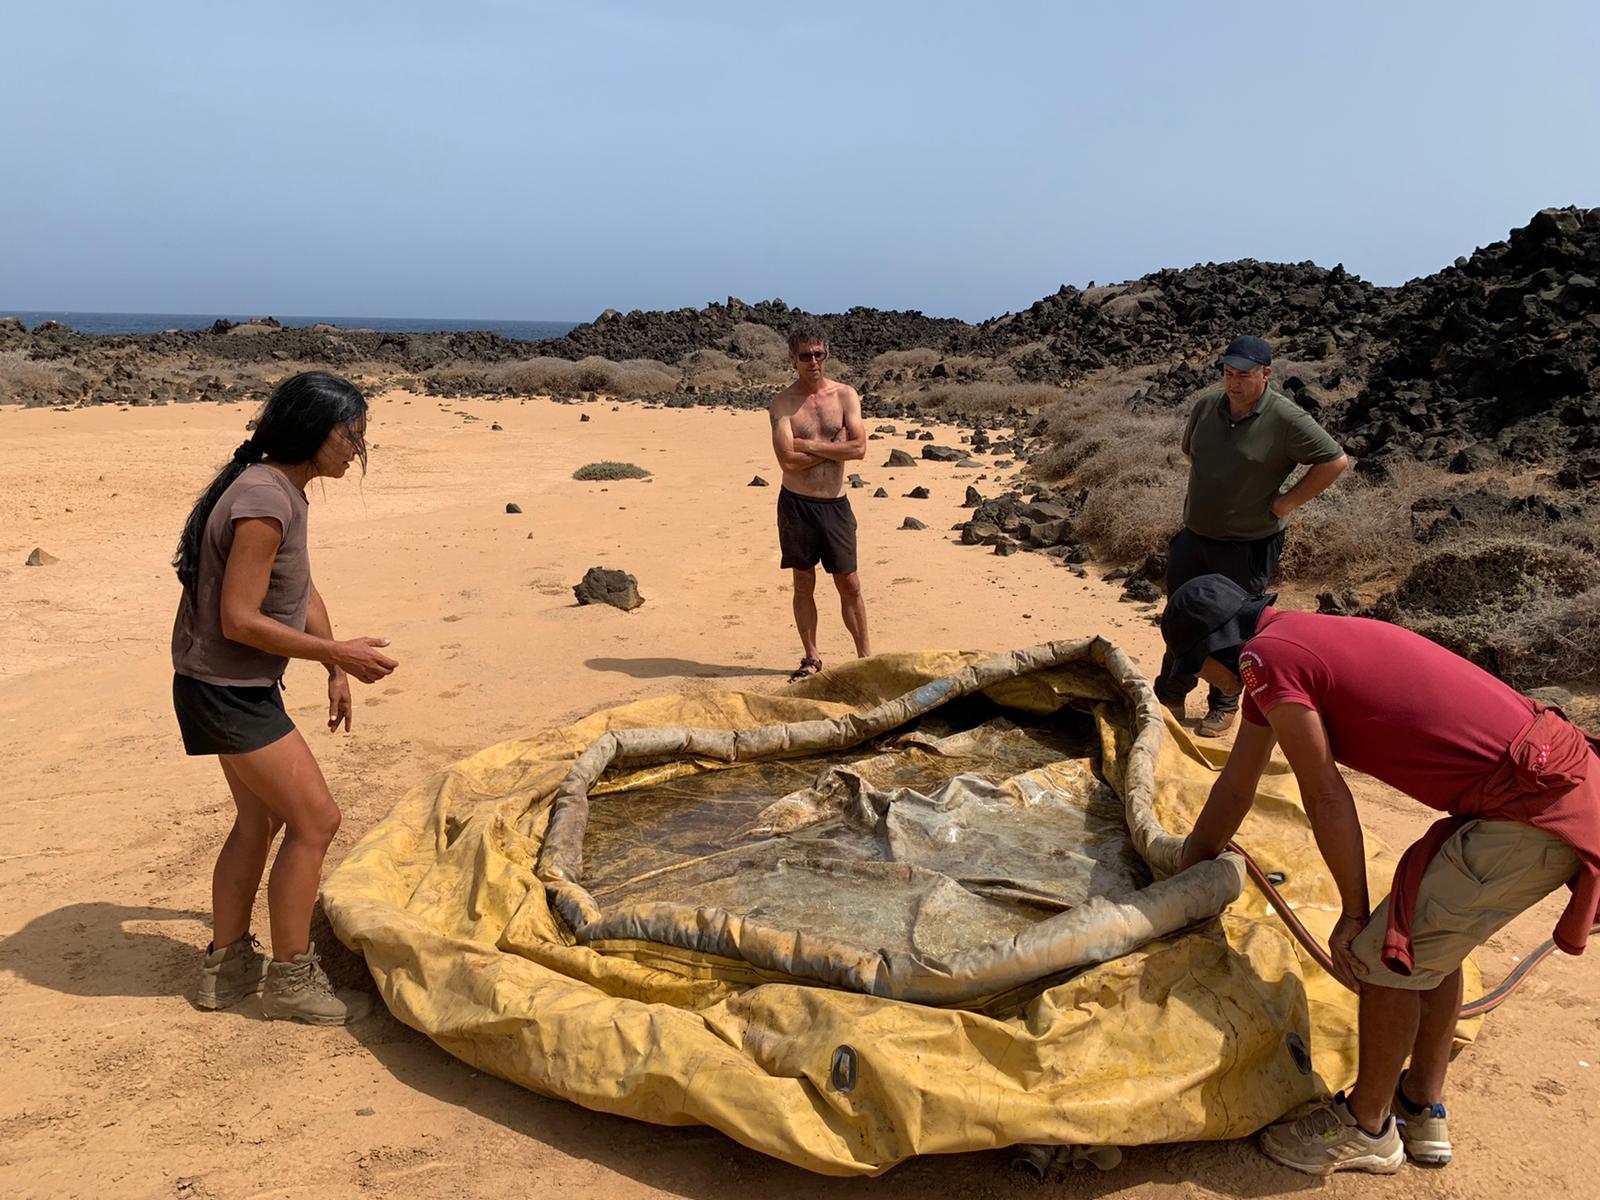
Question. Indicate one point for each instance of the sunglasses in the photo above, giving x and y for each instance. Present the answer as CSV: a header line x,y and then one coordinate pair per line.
x,y
812,356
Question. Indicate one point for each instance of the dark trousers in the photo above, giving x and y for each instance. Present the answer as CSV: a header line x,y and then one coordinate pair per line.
x,y
1189,556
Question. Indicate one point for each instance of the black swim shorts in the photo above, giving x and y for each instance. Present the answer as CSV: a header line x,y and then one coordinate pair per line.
x,y
812,530
218,719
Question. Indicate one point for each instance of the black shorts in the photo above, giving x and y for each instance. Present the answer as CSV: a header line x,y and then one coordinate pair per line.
x,y
812,530
218,719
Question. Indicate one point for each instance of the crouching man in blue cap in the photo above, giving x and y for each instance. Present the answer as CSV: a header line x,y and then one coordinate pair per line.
x,y
1520,787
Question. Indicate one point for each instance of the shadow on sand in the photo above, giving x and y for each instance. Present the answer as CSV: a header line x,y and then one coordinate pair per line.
x,y
667,668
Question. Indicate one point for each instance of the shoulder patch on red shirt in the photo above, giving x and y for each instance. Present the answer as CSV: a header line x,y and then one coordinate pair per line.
x,y
1250,667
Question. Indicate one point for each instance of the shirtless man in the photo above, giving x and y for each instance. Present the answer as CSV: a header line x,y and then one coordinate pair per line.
x,y
816,429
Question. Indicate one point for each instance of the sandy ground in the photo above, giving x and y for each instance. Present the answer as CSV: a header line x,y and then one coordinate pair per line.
x,y
115,1086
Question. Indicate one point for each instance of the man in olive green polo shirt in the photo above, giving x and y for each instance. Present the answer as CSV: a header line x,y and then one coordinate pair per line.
x,y
1242,441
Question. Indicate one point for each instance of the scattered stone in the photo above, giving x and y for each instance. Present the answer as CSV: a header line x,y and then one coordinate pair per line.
x,y
887,429
1005,547
899,458
942,454
968,464
601,585
758,482
40,558
1338,604
974,498
880,494
513,508
1141,590
917,493
912,523
1550,697
1473,458
583,417
365,1112
1077,570
925,436
497,427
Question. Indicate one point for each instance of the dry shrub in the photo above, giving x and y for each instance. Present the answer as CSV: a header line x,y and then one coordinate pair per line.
x,y
610,470
1134,515
984,399
750,340
1561,640
761,372
1359,531
710,370
21,377
903,360
1473,575
1525,610
558,376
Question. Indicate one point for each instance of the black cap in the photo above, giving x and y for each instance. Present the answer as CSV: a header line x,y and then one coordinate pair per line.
x,y
1209,617
1246,354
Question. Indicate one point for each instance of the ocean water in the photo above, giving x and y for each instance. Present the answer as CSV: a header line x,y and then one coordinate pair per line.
x,y
110,323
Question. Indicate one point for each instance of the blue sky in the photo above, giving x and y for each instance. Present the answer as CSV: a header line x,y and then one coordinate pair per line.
x,y
531,160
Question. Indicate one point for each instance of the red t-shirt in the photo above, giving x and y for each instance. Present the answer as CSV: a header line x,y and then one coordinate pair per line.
x,y
1396,706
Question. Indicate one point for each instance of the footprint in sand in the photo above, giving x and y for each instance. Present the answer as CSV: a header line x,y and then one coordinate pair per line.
x,y
372,702
450,694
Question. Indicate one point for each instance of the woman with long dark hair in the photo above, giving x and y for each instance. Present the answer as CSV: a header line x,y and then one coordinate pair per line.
x,y
249,606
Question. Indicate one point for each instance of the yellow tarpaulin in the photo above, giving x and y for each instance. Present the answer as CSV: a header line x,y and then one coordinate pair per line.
x,y
921,904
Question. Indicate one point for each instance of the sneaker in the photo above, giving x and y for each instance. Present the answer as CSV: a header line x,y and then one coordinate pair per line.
x,y
229,975
1423,1131
298,990
1216,722
1327,1139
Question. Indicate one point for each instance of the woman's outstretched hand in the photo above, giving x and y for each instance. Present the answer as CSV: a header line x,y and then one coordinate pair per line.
x,y
360,657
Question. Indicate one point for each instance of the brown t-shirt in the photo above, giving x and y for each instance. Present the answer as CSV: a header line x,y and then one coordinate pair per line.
x,y
199,648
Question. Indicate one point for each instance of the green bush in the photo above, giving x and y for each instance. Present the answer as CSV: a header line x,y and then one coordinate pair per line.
x,y
610,470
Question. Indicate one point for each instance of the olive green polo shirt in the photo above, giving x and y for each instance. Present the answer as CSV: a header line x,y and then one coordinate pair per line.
x,y
1236,468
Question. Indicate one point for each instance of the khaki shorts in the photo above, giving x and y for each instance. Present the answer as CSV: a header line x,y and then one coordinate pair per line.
x,y
1485,875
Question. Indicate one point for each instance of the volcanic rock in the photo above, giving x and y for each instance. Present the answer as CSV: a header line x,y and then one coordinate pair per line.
x,y
601,585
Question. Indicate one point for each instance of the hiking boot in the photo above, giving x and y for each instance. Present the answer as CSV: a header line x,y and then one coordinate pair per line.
x,y
1422,1129
298,990
228,975
1327,1139
1216,722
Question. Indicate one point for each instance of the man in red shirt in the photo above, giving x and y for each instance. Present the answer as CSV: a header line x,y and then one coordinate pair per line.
x,y
1521,785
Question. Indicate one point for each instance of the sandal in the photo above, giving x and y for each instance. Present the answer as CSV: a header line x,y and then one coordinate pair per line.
x,y
807,668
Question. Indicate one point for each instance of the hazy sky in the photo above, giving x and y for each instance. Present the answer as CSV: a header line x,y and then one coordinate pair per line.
x,y
527,160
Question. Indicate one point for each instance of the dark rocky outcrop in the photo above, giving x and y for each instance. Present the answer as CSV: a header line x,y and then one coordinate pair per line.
x,y
600,585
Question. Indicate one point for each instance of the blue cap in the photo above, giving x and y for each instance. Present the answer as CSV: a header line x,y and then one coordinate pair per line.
x,y
1246,354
